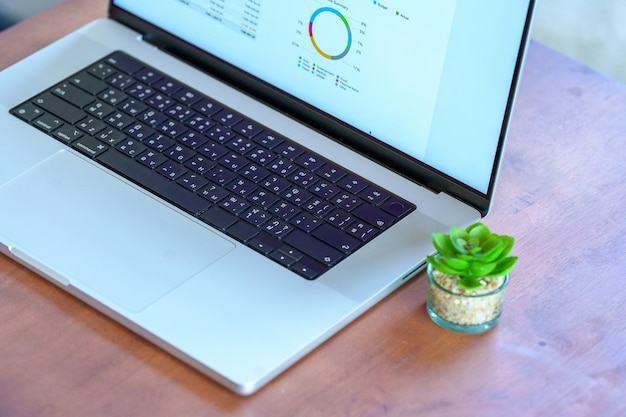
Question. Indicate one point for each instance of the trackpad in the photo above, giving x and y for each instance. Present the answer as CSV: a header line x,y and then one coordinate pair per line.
x,y
101,234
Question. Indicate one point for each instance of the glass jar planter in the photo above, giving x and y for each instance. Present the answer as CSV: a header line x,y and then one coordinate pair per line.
x,y
462,311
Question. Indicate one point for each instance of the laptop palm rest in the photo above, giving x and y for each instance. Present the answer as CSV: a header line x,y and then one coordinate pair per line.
x,y
143,249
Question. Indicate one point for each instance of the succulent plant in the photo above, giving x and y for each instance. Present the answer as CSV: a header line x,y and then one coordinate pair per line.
x,y
472,254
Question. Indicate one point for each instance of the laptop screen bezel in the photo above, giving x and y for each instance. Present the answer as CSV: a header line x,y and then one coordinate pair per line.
x,y
328,125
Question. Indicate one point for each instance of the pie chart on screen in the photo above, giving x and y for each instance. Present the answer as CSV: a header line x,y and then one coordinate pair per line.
x,y
330,33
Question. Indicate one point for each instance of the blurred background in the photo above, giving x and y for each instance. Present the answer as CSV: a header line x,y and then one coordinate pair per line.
x,y
590,31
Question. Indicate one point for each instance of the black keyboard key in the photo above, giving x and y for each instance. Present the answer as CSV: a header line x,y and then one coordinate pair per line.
x,y
282,167
396,207
199,123
263,198
121,81
148,76
113,96
187,96
261,156
48,122
352,184
282,258
180,154
317,249
373,195
152,117
278,228
151,159
284,210
255,216
99,109
289,150
241,145
310,161
88,83
254,173
67,133
346,201
171,170
160,101
336,238
140,91
123,63
308,268
133,107
200,164
220,134
340,218
242,231
213,193
206,106
59,107
159,143
192,181
264,243
139,131
248,128
275,184
72,94
91,125
220,175
169,190
374,215
219,218
228,117
119,120
324,189
297,195
101,70
111,136
27,112
306,222
168,86
268,139
131,147
362,230
294,254
234,204
332,172
89,146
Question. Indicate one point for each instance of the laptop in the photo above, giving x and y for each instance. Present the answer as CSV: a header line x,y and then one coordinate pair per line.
x,y
236,181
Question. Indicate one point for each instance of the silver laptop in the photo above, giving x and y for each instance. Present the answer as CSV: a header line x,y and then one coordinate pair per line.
x,y
238,180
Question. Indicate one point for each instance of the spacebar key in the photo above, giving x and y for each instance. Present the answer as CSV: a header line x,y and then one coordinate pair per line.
x,y
169,190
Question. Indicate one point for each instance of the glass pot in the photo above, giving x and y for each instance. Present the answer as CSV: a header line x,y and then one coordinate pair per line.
x,y
462,311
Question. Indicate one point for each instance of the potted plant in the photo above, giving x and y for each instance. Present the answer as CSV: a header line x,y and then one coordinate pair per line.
x,y
467,278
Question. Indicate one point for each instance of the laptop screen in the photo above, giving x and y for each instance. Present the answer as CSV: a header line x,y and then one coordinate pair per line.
x,y
430,79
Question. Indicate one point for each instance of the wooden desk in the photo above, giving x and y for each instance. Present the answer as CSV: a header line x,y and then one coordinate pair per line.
x,y
558,351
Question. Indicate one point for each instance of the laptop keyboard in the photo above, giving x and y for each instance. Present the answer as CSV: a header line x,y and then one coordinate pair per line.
x,y
262,189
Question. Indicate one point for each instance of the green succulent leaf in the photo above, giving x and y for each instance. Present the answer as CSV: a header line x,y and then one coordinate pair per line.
x,y
508,242
457,263
480,269
504,267
440,266
479,232
443,245
493,253
459,238
469,283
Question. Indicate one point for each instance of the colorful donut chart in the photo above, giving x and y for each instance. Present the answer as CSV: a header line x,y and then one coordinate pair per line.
x,y
345,22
